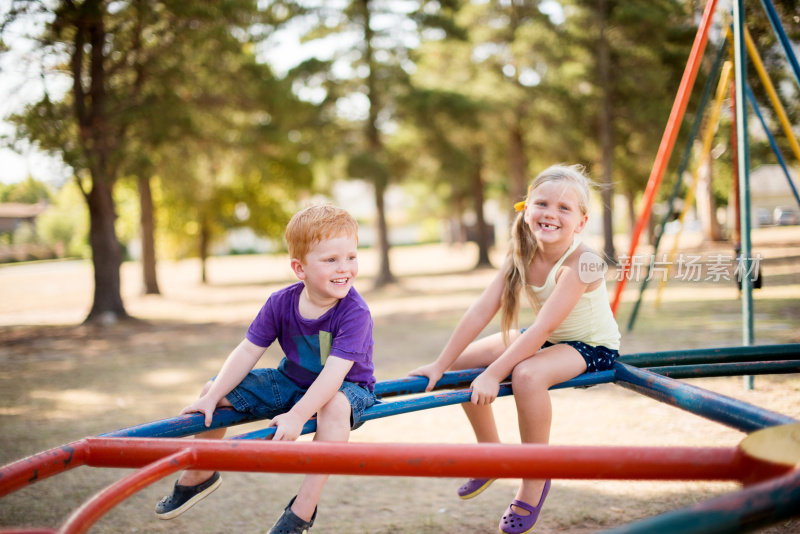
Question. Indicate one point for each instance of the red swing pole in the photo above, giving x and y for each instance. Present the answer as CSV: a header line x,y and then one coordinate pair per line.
x,y
667,143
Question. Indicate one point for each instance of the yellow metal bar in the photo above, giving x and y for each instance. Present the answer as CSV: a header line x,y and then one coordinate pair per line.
x,y
773,94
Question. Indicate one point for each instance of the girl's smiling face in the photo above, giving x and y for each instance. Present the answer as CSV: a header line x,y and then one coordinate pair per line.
x,y
554,213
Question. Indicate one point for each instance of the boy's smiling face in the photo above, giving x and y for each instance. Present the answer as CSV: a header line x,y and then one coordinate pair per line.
x,y
328,270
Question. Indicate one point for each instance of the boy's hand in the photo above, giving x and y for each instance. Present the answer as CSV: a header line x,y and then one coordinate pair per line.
x,y
431,372
484,389
203,405
288,426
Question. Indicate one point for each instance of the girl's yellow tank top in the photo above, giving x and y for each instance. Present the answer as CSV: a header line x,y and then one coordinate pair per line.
x,y
590,321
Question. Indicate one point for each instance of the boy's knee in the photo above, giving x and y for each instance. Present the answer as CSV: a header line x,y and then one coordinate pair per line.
x,y
336,411
206,387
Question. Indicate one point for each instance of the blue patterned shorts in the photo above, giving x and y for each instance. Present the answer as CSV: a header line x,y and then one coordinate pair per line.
x,y
267,392
597,358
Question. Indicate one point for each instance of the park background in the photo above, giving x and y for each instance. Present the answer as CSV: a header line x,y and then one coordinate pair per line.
x,y
198,128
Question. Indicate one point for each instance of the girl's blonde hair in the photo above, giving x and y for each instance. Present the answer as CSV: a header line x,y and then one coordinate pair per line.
x,y
317,223
523,243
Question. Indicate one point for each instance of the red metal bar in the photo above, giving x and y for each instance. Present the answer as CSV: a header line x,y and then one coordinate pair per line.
x,y
42,465
433,460
667,143
92,510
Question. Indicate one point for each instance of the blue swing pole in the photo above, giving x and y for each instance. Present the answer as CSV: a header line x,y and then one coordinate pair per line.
x,y
772,142
784,40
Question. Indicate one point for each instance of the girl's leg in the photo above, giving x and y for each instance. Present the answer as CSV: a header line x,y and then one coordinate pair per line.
x,y
193,478
333,424
481,353
531,380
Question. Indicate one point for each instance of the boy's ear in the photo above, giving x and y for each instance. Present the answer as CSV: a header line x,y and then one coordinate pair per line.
x,y
297,268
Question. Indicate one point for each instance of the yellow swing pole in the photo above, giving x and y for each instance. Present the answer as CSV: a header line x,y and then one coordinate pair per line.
x,y
708,139
772,93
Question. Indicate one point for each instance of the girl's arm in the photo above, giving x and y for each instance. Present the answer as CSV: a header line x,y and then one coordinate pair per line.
x,y
239,362
471,324
556,308
290,424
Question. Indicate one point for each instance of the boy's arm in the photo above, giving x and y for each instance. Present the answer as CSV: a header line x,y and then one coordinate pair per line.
x,y
290,424
239,362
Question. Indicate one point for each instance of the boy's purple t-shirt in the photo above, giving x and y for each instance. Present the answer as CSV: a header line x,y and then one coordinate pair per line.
x,y
344,331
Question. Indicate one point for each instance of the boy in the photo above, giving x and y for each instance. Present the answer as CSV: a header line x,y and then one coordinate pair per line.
x,y
325,330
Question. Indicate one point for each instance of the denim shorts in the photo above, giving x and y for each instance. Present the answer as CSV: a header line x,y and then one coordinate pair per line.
x,y
597,358
266,393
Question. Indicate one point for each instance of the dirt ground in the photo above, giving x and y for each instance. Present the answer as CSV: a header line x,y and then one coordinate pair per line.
x,y
60,381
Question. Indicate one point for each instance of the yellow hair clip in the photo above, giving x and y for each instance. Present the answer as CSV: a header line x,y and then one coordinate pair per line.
x,y
520,206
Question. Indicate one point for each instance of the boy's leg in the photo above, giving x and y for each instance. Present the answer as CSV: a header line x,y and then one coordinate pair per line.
x,y
192,486
191,477
333,424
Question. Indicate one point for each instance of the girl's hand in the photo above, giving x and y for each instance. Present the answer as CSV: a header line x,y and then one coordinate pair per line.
x,y
288,426
484,389
203,405
431,372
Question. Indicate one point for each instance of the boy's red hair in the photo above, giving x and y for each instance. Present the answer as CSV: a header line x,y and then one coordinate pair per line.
x,y
314,224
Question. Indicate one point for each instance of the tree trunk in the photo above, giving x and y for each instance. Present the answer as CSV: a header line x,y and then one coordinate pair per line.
x,y
480,221
98,143
384,275
107,304
147,229
375,145
205,239
517,163
606,134
706,206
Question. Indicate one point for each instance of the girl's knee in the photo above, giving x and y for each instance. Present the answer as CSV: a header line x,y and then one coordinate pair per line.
x,y
528,377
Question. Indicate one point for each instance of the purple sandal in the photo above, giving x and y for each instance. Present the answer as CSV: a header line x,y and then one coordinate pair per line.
x,y
513,523
474,487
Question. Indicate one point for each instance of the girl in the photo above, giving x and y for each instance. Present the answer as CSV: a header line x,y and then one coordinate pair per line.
x,y
573,332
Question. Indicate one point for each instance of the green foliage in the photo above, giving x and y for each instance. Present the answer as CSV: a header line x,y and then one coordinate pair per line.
x,y
28,191
64,226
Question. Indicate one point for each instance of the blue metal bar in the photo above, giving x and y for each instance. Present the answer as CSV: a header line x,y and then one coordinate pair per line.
x,y
713,406
190,424
416,384
435,400
772,142
785,43
183,425
746,510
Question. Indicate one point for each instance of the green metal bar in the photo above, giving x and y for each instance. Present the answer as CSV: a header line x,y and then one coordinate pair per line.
x,y
751,353
728,369
745,262
752,508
